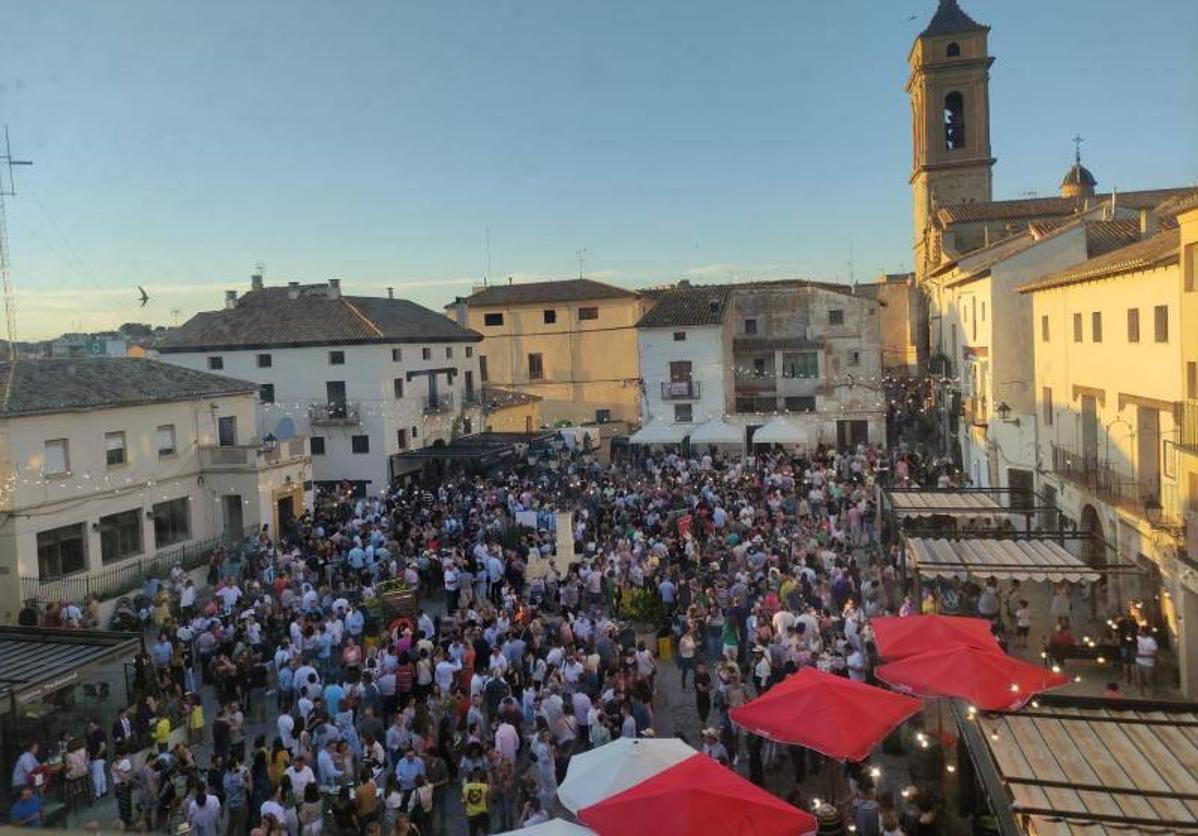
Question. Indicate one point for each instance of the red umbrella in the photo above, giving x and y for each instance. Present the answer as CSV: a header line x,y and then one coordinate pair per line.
x,y
696,796
898,637
834,716
988,679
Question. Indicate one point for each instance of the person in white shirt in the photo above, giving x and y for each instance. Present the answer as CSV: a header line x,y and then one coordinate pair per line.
x,y
1146,648
203,814
301,775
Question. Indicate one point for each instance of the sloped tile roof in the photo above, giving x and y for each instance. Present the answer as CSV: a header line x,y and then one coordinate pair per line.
x,y
1158,251
950,19
1045,207
46,386
527,293
687,306
271,318
1104,236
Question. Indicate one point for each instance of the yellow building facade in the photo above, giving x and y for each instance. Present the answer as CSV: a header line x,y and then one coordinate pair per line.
x,y
571,343
1116,384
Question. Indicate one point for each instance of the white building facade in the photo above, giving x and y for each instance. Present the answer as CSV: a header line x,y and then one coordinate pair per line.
x,y
116,467
364,377
743,355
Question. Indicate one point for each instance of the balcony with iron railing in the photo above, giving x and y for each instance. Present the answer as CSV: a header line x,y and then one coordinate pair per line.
x,y
437,404
266,453
333,413
1107,483
680,390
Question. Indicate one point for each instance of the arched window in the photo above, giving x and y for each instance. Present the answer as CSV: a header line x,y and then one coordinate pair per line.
x,y
954,49
954,121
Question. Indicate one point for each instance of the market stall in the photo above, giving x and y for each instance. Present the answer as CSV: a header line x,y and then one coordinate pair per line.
x,y
1083,765
52,681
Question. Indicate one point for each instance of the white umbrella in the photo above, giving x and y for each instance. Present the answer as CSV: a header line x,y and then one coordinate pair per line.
x,y
616,766
553,827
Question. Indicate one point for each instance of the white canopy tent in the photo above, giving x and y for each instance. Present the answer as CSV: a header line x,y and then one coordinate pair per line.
x,y
614,767
1022,559
782,430
715,431
659,432
553,827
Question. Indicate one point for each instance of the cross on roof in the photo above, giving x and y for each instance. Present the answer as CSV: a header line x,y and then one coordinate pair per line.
x,y
1077,148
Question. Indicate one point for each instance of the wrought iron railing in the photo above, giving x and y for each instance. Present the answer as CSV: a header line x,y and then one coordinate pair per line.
x,y
127,576
680,390
334,412
433,404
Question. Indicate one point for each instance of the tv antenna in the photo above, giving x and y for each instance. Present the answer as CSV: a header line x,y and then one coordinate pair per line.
x,y
8,190
581,258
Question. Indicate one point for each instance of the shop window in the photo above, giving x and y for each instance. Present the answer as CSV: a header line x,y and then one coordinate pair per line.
x,y
120,535
172,522
61,551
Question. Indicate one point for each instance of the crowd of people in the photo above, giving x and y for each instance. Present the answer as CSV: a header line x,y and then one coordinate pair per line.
x,y
334,714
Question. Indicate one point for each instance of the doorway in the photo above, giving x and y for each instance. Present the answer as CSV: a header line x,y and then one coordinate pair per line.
x,y
231,507
285,514
226,431
1089,431
1148,452
334,391
851,433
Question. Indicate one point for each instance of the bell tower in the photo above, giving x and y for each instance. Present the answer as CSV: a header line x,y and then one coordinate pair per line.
x,y
950,120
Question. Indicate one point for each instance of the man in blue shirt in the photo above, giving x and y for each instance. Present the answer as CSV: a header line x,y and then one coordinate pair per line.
x,y
27,810
330,775
355,622
333,694
408,770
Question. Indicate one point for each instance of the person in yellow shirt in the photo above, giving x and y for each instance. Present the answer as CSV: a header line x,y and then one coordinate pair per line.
x,y
161,732
475,794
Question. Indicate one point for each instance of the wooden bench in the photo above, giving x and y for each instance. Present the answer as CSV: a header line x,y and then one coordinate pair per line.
x,y
1100,653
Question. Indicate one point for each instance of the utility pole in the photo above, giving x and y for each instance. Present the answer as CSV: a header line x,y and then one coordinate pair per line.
x,y
8,190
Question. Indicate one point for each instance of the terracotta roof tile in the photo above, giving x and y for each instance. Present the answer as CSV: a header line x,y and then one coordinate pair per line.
x,y
1045,207
39,387
527,293
1158,251
270,317
687,306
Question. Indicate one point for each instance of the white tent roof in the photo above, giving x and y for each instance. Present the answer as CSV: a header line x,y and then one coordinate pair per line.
x,y
1031,559
716,431
553,827
660,432
781,430
614,767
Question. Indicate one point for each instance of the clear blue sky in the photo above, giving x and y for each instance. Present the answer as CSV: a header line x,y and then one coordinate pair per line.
x,y
176,144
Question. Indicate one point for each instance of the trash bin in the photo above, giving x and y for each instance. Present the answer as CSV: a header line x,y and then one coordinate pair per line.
x,y
665,648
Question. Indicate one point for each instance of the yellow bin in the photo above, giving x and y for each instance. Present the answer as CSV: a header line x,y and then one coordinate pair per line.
x,y
665,648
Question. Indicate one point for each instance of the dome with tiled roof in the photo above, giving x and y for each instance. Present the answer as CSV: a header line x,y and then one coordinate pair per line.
x,y
1078,182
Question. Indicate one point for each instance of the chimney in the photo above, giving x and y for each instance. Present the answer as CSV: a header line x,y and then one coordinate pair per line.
x,y
390,293
293,290
256,281
334,289
1149,224
230,299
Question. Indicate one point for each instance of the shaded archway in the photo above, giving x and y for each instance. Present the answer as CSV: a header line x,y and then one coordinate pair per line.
x,y
1094,550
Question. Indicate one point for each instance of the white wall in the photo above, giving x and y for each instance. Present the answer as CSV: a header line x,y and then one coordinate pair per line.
x,y
704,348
299,376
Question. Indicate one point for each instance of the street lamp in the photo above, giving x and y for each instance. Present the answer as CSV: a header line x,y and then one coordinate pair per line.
x,y
1153,510
1004,410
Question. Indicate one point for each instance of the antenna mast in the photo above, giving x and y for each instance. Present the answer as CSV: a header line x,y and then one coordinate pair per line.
x,y
8,190
581,257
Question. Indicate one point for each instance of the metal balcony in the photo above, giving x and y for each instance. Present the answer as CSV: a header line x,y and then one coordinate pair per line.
x,y
437,404
333,413
680,390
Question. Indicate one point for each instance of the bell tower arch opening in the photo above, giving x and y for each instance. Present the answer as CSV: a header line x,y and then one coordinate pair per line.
x,y
948,87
